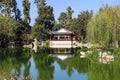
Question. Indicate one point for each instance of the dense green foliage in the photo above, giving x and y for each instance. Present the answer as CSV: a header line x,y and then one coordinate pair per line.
x,y
44,22
77,25
13,28
104,28
26,21
7,7
66,17
7,30
26,11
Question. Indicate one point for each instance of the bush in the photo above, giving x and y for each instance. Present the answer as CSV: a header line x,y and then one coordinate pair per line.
x,y
46,44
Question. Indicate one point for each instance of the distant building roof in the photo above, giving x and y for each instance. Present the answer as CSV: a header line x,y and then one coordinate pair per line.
x,y
61,31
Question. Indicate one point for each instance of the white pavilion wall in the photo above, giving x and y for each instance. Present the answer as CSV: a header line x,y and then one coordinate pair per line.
x,y
62,44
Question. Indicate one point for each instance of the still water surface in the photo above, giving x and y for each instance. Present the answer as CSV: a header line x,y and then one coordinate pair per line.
x,y
43,66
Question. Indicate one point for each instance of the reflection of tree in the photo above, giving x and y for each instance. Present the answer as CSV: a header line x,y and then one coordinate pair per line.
x,y
70,71
26,56
69,64
27,67
44,65
93,69
104,71
12,59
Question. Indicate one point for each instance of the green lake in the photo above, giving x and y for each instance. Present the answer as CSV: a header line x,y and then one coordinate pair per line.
x,y
45,66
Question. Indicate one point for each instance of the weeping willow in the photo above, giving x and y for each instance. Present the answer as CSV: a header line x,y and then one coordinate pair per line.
x,y
104,28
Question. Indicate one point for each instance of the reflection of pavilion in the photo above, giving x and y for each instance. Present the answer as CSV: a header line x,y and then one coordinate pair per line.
x,y
61,57
63,50
62,39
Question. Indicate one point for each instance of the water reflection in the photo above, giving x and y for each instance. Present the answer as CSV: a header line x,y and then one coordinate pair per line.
x,y
12,60
105,60
44,66
62,50
61,56
41,66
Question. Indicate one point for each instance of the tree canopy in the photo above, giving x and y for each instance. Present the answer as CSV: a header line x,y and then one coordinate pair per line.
x,y
77,25
7,29
104,28
45,20
26,11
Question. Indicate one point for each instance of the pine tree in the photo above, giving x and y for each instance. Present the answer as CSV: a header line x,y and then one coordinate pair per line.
x,y
45,20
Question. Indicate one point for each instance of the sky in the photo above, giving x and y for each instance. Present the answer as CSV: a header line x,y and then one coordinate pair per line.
x,y
76,5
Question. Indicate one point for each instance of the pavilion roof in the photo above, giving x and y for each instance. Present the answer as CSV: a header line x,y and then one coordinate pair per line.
x,y
61,31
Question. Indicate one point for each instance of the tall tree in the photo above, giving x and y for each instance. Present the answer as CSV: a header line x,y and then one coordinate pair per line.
x,y
26,11
45,15
23,31
69,13
7,7
104,27
83,19
45,18
62,19
7,29
18,15
76,28
77,25
69,17
66,17
38,2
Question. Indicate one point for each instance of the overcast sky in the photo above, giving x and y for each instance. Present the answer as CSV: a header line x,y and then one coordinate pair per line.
x,y
77,5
